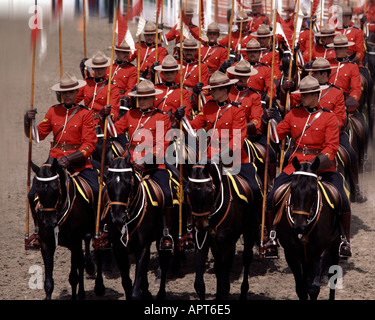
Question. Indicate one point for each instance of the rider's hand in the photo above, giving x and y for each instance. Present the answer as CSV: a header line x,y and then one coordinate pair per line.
x,y
30,114
179,113
63,162
105,111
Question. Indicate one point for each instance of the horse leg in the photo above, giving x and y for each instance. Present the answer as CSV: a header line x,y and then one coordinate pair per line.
x,y
48,251
164,259
99,287
295,265
314,286
122,258
200,263
247,257
140,288
77,271
89,264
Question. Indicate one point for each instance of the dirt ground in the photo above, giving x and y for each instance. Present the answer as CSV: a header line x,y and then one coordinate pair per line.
x,y
270,280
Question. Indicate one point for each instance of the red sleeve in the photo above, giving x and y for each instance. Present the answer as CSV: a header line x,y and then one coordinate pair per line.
x,y
89,137
340,110
331,142
256,112
122,125
355,82
45,127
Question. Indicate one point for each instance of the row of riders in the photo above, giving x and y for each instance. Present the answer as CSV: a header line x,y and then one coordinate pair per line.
x,y
324,95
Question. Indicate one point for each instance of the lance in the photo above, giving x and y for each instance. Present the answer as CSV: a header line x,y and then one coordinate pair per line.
x,y
84,33
101,182
241,26
289,77
261,255
230,29
157,37
199,52
310,31
28,183
60,44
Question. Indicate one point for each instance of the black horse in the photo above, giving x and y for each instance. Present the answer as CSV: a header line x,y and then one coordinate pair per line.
x,y
64,217
308,231
133,225
221,217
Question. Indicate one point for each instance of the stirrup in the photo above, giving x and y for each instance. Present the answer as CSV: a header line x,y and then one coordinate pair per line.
x,y
32,242
101,241
269,249
344,248
186,242
166,242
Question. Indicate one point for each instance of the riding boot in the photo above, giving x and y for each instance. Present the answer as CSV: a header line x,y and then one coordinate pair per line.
x,y
356,195
33,242
271,174
166,242
269,249
344,249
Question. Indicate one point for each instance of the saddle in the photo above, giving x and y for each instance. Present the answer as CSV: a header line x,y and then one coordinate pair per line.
x,y
154,192
328,190
84,189
241,187
343,157
356,125
257,151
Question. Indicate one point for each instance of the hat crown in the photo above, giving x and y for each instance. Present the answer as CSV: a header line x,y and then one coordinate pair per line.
x,y
327,29
189,43
243,66
340,39
263,29
309,83
213,27
145,87
218,78
150,27
99,59
321,63
253,44
169,62
68,80
124,45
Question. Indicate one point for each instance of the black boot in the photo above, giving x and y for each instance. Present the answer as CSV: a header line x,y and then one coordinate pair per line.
x,y
166,242
344,249
356,195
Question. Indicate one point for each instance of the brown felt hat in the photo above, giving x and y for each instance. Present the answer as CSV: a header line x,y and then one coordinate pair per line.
x,y
189,44
123,47
262,31
340,41
150,28
145,89
169,64
253,45
327,31
242,68
320,64
68,82
98,60
309,84
219,79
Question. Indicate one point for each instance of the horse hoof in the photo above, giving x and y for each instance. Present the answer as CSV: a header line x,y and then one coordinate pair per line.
x,y
90,268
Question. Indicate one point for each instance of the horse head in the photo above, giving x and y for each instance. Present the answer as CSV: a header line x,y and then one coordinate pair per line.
x,y
48,186
120,184
304,197
201,192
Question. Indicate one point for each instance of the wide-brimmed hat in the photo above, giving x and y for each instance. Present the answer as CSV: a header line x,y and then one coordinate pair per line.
x,y
169,64
327,31
320,64
145,89
219,79
98,60
189,44
340,41
239,18
242,68
68,82
309,84
253,45
346,10
262,31
150,28
213,27
124,46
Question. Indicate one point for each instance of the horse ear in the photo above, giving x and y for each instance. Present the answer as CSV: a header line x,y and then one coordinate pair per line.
x,y
296,164
55,165
315,165
35,168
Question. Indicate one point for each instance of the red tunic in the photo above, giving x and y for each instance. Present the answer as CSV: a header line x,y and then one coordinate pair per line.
x,y
256,21
262,80
213,57
175,34
94,95
234,40
147,133
319,51
172,98
251,103
229,120
355,35
191,74
331,98
79,130
148,55
266,58
346,76
124,76
323,134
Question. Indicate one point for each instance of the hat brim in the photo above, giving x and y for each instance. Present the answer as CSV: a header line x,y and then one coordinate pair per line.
x,y
323,35
153,32
254,34
318,69
231,81
57,87
323,87
332,45
253,49
160,68
135,93
88,63
183,47
232,70
123,49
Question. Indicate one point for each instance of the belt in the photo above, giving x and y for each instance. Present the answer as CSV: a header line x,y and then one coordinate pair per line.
x,y
65,147
308,151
